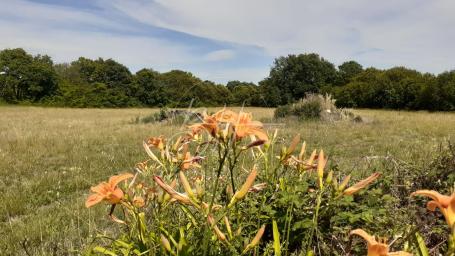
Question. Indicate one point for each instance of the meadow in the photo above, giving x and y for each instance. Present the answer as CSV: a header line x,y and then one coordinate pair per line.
x,y
50,157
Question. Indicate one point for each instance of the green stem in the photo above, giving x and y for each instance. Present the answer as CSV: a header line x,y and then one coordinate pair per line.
x,y
315,218
222,159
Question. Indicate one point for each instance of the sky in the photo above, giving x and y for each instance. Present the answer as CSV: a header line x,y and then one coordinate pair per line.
x,y
223,40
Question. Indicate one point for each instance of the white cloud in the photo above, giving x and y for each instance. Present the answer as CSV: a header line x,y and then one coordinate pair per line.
x,y
414,33
220,55
39,29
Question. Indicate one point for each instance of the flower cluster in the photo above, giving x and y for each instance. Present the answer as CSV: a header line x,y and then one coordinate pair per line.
x,y
194,193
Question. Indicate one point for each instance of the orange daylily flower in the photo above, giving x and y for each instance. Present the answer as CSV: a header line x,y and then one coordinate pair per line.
x,y
244,126
157,142
446,204
361,184
209,124
226,116
376,248
108,191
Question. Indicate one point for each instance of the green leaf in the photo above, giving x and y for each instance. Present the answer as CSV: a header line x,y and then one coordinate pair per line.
x,y
423,250
104,251
276,239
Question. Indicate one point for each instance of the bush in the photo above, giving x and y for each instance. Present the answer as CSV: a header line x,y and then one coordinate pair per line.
x,y
283,111
315,106
308,108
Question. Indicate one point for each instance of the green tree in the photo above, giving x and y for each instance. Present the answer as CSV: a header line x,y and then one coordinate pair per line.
x,y
446,90
243,93
296,75
24,77
149,88
349,70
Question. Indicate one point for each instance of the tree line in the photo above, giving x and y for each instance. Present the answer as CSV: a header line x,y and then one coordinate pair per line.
x,y
25,78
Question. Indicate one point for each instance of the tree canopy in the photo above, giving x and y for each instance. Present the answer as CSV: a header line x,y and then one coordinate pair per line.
x,y
108,83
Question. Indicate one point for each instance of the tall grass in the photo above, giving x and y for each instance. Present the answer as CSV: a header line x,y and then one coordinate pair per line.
x,y
50,157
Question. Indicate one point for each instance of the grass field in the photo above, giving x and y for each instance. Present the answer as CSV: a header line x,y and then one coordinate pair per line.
x,y
50,157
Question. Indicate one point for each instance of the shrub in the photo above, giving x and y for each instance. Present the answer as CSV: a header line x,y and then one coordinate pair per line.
x,y
283,111
308,108
315,106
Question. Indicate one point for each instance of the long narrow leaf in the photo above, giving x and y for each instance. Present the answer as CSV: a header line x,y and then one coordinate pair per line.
x,y
423,250
276,239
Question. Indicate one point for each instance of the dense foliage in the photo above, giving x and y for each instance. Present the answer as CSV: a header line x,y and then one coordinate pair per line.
x,y
106,83
225,187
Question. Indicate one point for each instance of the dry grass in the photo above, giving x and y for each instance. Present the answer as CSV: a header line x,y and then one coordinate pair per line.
x,y
49,158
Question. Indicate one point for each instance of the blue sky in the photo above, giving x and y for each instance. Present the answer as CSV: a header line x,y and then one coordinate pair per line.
x,y
224,40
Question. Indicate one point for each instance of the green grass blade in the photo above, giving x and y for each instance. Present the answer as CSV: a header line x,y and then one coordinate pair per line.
x,y
276,239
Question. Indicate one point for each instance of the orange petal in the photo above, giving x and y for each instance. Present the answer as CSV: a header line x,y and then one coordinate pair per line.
x,y
114,180
261,134
360,232
293,144
442,199
101,188
450,213
226,115
93,199
116,196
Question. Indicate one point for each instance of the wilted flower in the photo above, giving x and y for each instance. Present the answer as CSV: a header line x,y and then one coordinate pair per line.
x,y
377,248
361,184
215,207
182,198
221,236
108,191
254,144
138,201
446,204
257,187
189,161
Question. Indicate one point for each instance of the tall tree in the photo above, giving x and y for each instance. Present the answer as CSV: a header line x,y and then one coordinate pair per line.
x,y
26,77
296,75
349,70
